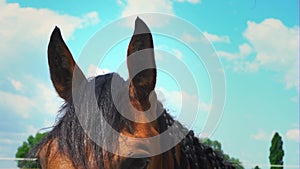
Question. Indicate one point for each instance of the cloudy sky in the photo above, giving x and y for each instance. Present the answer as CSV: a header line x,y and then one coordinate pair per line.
x,y
257,43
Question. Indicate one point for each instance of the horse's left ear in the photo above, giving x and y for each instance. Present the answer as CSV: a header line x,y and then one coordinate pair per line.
x,y
141,64
65,74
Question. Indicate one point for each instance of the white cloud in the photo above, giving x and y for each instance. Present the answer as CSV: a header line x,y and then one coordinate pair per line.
x,y
176,99
275,46
25,30
189,38
91,18
46,98
134,7
190,1
216,38
160,55
137,8
177,53
120,2
93,71
16,84
261,135
5,141
194,1
42,100
227,55
239,59
295,125
31,130
18,104
295,99
292,135
244,51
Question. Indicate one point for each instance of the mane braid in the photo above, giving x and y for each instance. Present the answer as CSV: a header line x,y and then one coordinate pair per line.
x,y
193,153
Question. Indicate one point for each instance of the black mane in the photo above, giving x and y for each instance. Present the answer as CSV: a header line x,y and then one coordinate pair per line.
x,y
74,142
72,138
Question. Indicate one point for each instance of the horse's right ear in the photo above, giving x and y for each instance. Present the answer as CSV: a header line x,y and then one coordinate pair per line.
x,y
62,66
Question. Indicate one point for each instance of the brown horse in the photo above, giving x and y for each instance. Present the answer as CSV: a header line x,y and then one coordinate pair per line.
x,y
69,144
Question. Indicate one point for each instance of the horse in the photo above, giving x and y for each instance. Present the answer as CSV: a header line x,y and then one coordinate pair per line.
x,y
69,145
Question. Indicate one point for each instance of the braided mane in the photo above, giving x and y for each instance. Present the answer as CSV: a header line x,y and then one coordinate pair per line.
x,y
193,153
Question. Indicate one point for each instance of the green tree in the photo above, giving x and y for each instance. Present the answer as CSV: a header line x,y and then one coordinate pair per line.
x,y
25,149
217,146
256,167
214,144
276,152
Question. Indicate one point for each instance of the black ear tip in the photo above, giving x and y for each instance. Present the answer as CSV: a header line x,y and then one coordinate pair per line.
x,y
56,30
138,19
56,34
140,27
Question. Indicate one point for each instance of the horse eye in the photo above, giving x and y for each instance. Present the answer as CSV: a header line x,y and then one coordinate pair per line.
x,y
135,163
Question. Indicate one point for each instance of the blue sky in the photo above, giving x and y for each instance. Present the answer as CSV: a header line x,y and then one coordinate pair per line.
x,y
257,43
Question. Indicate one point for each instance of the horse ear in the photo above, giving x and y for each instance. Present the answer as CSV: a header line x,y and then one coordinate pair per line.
x,y
141,63
62,65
